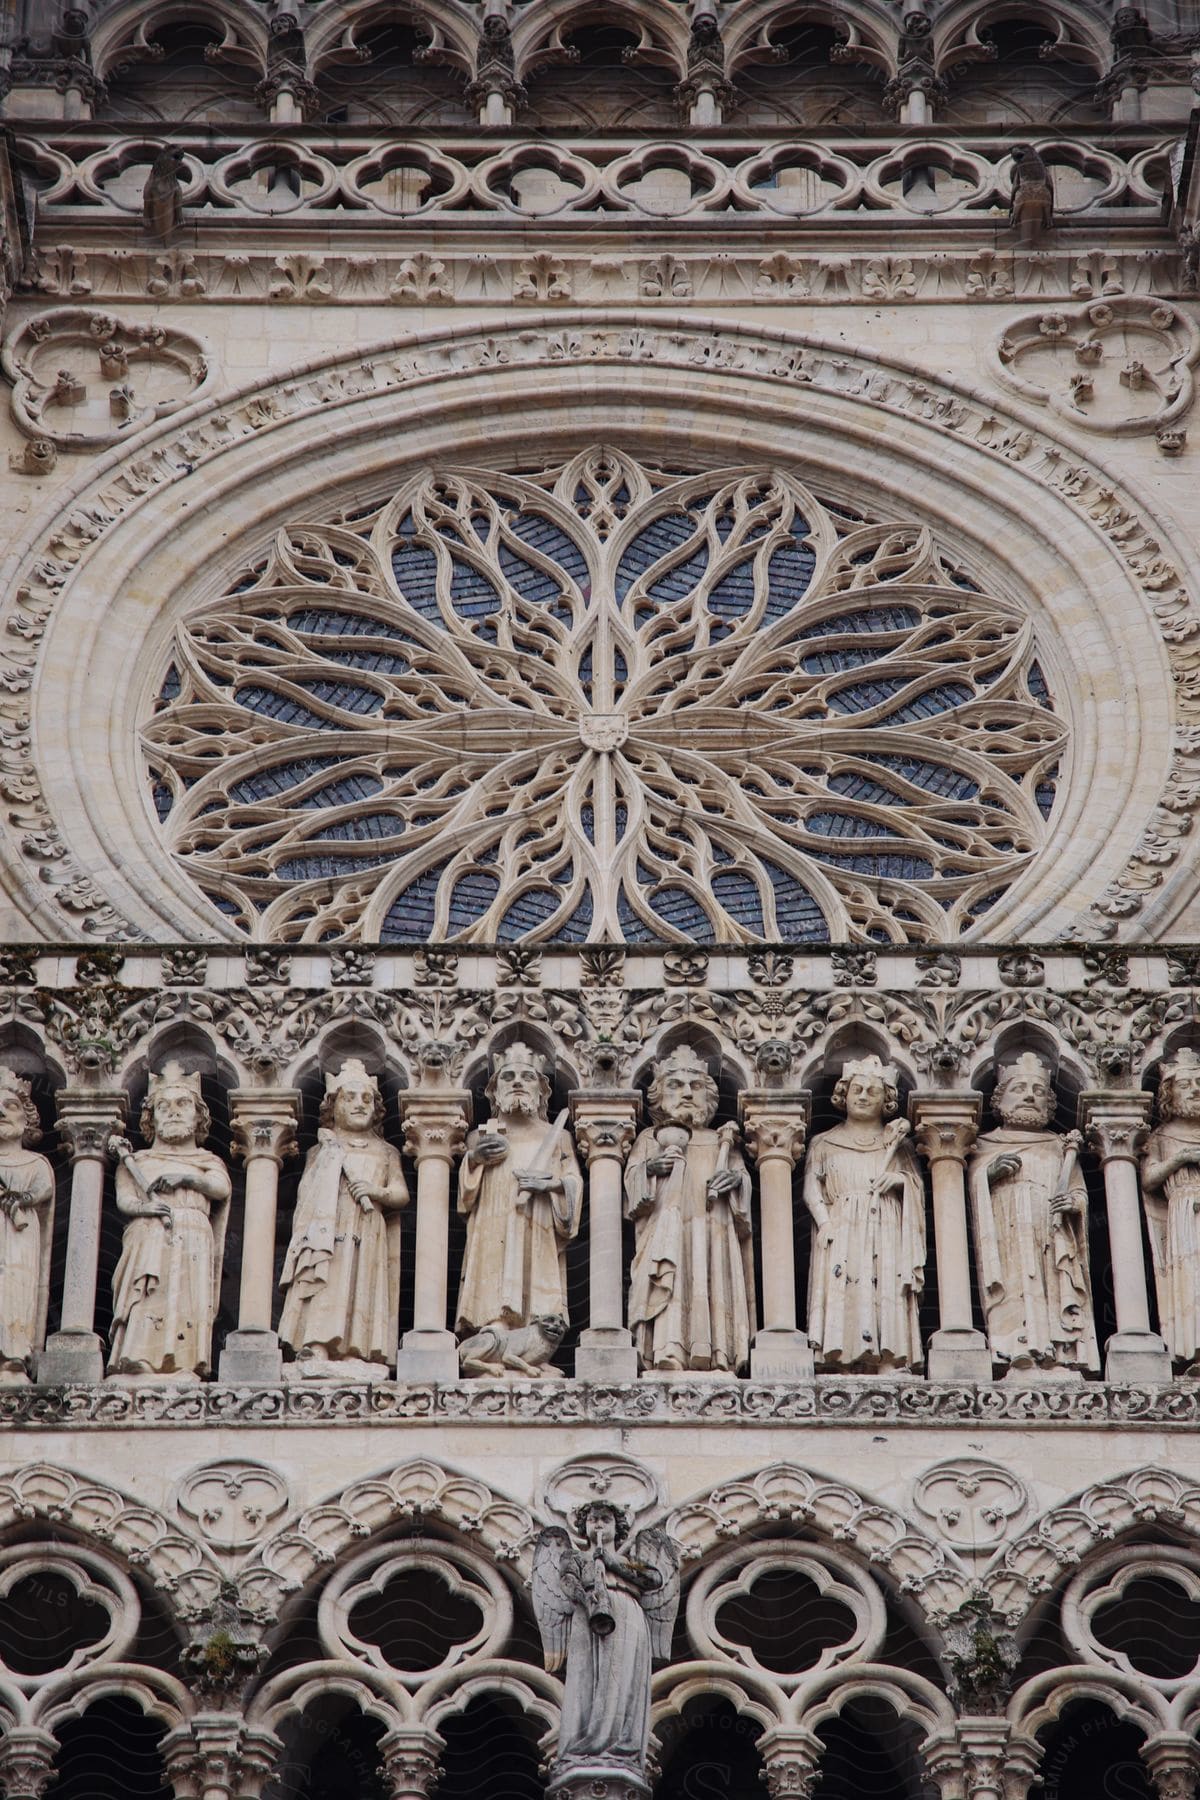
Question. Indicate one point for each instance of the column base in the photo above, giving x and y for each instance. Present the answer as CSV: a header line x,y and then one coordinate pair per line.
x,y
251,1359
428,1356
596,1782
71,1359
606,1354
781,1355
958,1354
1133,1357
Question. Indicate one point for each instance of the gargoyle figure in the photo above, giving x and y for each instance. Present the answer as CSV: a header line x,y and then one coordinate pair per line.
x,y
1032,209
162,197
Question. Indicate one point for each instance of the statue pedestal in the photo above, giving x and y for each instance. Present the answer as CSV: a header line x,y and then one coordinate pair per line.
x,y
958,1354
427,1355
781,1355
1133,1357
595,1781
606,1353
71,1359
251,1359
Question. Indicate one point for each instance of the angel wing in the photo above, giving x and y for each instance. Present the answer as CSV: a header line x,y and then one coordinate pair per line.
x,y
552,1606
652,1549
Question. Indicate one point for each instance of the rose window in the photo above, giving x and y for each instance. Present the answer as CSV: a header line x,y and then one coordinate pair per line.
x,y
606,702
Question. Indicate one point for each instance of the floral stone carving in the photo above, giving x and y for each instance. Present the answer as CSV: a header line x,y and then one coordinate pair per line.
x,y
604,703
82,378
1122,364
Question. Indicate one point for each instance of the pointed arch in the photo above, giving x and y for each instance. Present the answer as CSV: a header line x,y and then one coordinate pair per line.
x,y
419,1488
177,1564
784,1492
128,31
1064,1534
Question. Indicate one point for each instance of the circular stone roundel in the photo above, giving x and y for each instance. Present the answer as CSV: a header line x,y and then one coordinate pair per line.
x,y
604,702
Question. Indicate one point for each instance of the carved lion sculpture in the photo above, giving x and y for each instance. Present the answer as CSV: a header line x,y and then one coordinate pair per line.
x,y
514,1349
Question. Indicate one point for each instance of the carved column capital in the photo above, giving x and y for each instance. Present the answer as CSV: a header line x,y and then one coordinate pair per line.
x,y
218,1753
435,1127
1173,1759
943,1765
27,1756
946,1124
791,1762
87,1118
984,1744
775,1123
410,1763
605,1121
1115,1123
263,1121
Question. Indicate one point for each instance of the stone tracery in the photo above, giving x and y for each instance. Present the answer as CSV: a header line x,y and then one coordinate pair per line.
x,y
600,641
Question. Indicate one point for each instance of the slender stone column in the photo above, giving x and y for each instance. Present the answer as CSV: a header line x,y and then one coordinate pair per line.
x,y
27,1756
947,1125
791,1761
775,1124
263,1122
1116,1124
411,1762
219,1757
605,1121
87,1118
435,1130
1173,1759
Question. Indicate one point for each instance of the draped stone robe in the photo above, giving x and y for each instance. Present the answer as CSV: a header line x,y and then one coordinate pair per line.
x,y
691,1287
865,1285
515,1267
1175,1239
25,1256
166,1285
342,1270
1033,1267
606,1707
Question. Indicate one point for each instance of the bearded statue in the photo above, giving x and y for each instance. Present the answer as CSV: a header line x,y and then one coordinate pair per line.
x,y
521,1193
687,1189
1029,1215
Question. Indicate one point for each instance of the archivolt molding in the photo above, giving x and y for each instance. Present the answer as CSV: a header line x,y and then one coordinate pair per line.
x,y
1151,1498
126,33
178,1565
192,462
541,34
417,1491
782,1493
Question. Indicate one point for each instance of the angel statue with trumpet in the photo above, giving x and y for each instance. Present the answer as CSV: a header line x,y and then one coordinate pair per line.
x,y
605,1606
